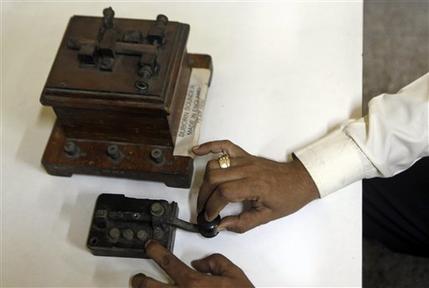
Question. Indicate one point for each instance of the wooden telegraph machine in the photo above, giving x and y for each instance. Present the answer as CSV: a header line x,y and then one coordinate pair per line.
x,y
118,88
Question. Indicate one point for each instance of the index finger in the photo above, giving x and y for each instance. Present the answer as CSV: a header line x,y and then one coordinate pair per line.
x,y
176,269
218,147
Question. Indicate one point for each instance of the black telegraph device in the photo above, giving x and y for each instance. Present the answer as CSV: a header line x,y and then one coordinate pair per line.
x,y
121,226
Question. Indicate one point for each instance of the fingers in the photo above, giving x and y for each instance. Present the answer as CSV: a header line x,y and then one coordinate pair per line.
x,y
142,281
234,162
219,146
215,264
176,269
214,177
233,191
246,220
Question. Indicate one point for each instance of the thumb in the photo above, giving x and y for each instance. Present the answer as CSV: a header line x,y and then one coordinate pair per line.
x,y
215,264
142,281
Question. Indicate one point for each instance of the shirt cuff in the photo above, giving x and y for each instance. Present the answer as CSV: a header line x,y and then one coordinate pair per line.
x,y
334,162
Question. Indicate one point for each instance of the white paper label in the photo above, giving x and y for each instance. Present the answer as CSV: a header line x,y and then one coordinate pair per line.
x,y
193,108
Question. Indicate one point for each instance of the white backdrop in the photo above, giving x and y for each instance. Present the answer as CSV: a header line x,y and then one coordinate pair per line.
x,y
284,74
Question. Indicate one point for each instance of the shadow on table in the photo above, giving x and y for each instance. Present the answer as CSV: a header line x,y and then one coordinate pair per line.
x,y
110,273
199,171
79,215
34,140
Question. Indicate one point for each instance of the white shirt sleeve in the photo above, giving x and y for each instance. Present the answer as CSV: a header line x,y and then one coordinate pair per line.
x,y
393,135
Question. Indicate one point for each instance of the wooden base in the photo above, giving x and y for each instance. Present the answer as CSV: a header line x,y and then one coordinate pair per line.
x,y
134,160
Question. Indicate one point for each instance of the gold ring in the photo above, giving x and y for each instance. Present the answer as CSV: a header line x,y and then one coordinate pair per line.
x,y
224,161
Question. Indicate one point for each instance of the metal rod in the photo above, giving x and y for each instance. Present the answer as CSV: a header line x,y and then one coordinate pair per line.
x,y
179,223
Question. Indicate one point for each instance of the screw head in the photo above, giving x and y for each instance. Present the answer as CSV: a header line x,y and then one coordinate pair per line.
x,y
156,209
145,72
158,233
106,63
161,18
128,234
156,155
71,149
73,43
93,240
113,151
142,86
114,233
70,146
142,235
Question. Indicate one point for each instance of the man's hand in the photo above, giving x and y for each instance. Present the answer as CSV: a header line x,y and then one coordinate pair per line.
x,y
274,189
213,271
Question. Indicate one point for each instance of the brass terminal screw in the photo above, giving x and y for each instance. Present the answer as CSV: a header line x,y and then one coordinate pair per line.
x,y
158,233
128,234
114,233
156,209
142,235
156,155
113,152
71,149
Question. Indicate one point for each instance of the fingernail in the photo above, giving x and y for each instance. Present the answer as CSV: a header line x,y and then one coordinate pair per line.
x,y
147,243
206,216
220,228
223,225
137,279
196,147
196,262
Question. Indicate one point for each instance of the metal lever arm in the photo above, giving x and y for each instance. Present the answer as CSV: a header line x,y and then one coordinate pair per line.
x,y
179,223
205,228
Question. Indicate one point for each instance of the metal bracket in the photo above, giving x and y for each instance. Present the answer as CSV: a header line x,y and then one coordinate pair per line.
x,y
101,53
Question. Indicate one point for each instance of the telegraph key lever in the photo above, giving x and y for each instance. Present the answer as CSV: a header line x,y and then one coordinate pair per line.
x,y
205,228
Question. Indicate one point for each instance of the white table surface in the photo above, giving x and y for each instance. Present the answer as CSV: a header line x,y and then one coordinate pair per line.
x,y
284,74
